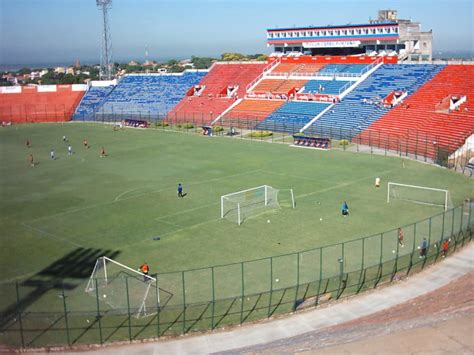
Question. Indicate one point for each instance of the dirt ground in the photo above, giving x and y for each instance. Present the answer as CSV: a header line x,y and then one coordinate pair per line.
x,y
440,322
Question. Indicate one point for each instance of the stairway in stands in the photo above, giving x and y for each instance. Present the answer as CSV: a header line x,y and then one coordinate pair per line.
x,y
212,101
420,125
360,108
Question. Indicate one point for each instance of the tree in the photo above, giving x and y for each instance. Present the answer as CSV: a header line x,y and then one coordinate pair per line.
x,y
232,57
201,62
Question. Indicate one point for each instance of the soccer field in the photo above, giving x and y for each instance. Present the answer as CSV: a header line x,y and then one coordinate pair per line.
x,y
60,215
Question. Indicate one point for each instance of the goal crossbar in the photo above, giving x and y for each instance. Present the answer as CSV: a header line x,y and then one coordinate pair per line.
x,y
444,191
129,268
239,205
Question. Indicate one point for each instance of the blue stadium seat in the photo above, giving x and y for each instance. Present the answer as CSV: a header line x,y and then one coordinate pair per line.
x,y
91,102
292,116
353,115
148,95
330,87
343,68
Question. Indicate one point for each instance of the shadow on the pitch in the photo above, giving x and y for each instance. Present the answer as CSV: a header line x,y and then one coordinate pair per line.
x,y
66,273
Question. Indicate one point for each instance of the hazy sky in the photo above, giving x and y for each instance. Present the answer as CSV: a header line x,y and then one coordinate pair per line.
x,y
50,31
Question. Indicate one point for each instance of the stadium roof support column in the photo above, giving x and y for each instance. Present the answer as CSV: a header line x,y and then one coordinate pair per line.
x,y
106,64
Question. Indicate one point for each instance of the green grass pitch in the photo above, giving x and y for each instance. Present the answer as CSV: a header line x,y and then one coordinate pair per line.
x,y
122,202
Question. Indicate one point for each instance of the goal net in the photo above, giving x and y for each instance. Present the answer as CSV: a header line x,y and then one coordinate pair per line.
x,y
123,288
241,205
419,194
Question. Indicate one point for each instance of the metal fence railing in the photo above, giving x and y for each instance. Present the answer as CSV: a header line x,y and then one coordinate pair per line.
x,y
410,143
57,312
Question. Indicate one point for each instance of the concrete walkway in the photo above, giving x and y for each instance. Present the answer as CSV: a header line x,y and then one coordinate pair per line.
x,y
366,304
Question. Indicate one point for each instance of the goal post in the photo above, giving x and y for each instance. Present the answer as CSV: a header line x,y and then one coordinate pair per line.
x,y
238,206
419,194
123,288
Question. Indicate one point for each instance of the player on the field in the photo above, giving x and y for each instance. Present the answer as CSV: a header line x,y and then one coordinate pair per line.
x,y
52,154
345,209
103,153
145,269
401,237
31,160
180,190
86,144
69,149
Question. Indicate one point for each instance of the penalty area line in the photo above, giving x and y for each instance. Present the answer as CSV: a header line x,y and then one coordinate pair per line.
x,y
51,235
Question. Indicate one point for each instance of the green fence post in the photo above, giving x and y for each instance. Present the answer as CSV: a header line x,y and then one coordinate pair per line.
x,y
395,265
413,250
158,309
297,279
98,310
20,320
128,310
65,317
362,268
452,223
316,301
380,271
213,297
271,287
469,222
341,271
243,292
184,302
460,225
439,243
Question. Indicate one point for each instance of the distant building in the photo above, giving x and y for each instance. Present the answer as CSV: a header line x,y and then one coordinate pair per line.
x,y
187,63
385,35
133,63
70,71
60,70
150,63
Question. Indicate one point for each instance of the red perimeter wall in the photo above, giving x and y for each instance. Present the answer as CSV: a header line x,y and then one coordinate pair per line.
x,y
34,105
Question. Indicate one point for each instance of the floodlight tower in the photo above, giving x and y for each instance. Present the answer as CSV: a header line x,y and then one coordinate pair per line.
x,y
106,64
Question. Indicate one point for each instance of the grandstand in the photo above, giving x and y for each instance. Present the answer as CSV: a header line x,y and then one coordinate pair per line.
x,y
249,109
446,130
43,103
91,102
332,87
216,92
363,105
292,116
342,69
278,86
148,95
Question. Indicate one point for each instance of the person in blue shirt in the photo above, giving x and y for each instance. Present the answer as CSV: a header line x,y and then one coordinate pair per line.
x,y
345,209
180,190
423,248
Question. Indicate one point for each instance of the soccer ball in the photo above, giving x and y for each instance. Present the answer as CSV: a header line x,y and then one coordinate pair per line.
x,y
276,280
393,251
320,219
105,296
268,221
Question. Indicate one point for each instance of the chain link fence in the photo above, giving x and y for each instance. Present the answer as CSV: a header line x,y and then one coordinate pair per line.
x,y
408,143
38,313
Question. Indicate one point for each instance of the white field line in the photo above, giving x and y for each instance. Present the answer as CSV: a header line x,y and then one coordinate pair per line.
x,y
139,195
186,211
268,172
335,187
51,235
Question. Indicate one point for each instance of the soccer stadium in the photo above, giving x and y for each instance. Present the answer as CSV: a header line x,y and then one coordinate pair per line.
x,y
102,247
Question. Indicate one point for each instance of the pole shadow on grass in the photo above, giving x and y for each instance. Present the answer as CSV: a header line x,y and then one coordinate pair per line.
x,y
74,266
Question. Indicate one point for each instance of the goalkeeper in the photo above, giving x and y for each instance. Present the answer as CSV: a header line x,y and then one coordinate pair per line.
x,y
345,209
144,269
